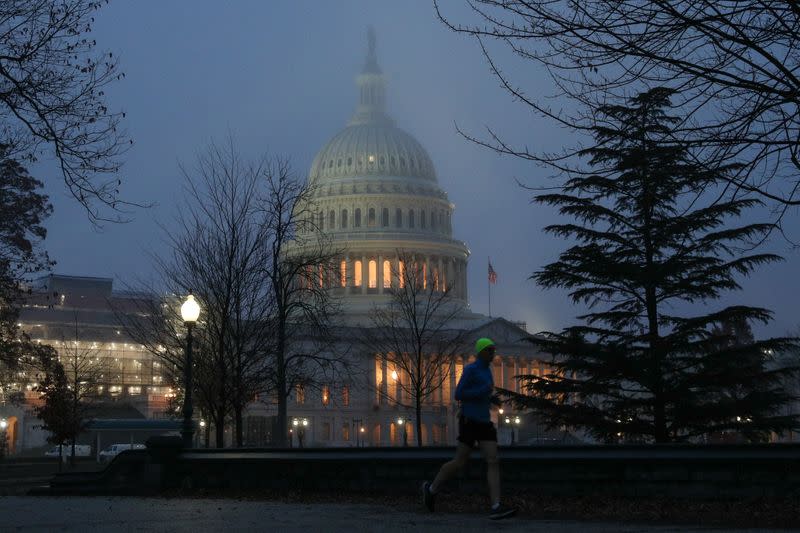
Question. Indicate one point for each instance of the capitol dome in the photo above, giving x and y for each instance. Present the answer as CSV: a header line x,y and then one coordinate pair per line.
x,y
372,149
375,194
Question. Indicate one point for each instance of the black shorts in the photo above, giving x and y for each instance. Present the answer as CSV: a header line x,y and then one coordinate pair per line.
x,y
472,431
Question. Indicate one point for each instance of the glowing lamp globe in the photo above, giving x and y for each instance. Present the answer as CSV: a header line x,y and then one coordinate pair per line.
x,y
190,310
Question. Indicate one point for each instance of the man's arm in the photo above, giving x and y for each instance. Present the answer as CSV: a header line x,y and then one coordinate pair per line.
x,y
470,388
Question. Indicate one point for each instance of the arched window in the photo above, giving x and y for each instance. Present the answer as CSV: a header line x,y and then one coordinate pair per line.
x,y
371,218
321,221
357,274
344,218
387,275
410,218
385,217
332,219
373,274
357,223
398,217
422,219
433,220
343,274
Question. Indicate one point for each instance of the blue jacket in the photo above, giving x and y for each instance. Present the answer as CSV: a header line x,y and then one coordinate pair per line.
x,y
474,391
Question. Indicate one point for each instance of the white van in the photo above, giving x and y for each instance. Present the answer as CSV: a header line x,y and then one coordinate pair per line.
x,y
113,450
81,450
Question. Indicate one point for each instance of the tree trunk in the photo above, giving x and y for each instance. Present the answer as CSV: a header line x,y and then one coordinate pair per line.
x,y
239,429
283,423
219,428
418,408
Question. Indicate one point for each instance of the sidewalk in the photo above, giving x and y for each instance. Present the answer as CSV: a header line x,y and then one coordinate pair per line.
x,y
122,514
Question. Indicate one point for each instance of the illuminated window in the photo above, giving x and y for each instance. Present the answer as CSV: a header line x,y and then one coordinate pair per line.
x,y
435,279
344,218
343,273
424,275
371,218
357,222
321,275
387,275
401,274
373,274
345,431
357,274
346,396
135,390
115,390
378,380
300,394
326,395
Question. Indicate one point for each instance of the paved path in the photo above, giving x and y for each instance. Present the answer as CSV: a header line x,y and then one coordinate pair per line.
x,y
118,514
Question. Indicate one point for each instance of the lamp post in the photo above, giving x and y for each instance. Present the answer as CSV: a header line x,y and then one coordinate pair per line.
x,y
190,312
511,422
4,439
402,422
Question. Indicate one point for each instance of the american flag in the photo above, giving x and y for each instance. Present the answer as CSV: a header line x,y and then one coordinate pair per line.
x,y
492,274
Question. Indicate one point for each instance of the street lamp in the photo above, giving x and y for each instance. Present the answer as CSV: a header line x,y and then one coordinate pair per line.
x,y
190,312
402,422
511,422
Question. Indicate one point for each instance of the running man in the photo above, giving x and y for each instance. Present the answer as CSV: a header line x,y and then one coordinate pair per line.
x,y
474,391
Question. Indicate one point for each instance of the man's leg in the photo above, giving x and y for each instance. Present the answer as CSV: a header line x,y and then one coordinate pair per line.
x,y
452,467
489,450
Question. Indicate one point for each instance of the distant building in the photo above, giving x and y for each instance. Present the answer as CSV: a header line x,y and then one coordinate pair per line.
x,y
76,314
376,194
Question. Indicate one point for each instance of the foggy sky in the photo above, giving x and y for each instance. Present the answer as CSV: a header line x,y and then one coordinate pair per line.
x,y
279,76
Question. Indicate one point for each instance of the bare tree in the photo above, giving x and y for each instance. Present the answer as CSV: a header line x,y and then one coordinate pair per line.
x,y
83,370
52,96
300,268
218,253
733,64
415,333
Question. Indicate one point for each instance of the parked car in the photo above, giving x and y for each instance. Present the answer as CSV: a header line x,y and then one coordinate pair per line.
x,y
113,450
81,450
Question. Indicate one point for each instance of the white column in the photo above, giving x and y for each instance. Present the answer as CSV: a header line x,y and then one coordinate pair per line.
x,y
379,272
364,274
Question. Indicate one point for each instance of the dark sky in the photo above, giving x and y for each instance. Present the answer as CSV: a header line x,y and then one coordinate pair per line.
x,y
279,76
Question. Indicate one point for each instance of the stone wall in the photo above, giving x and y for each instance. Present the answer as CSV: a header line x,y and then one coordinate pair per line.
x,y
697,472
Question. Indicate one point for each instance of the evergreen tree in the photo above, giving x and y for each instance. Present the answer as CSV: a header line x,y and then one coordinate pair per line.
x,y
653,238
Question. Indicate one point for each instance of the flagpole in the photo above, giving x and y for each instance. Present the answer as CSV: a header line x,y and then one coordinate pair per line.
x,y
489,285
